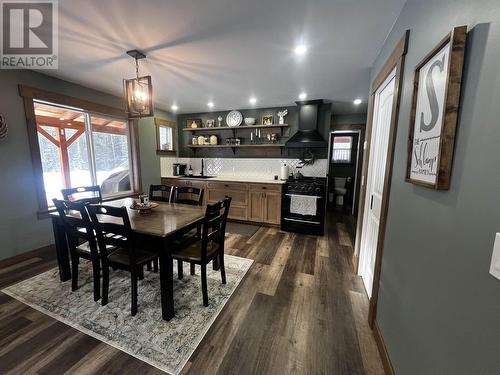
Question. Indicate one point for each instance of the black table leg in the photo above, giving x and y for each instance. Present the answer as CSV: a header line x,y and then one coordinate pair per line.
x,y
62,250
166,283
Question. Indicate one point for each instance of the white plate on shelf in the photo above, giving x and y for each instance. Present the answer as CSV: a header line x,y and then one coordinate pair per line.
x,y
234,118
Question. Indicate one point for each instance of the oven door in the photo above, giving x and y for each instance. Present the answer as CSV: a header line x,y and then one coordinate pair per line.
x,y
296,222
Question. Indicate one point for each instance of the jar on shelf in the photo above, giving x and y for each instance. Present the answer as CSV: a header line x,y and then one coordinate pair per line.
x,y
201,140
194,141
214,140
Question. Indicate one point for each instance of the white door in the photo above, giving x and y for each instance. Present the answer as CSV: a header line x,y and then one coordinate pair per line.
x,y
382,113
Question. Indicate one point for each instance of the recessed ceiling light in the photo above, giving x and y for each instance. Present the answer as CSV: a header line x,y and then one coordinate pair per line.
x,y
357,101
210,104
252,100
301,49
174,107
302,95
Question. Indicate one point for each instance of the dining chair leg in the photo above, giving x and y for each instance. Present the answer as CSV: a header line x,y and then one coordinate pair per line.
x,y
204,284
74,272
134,292
222,268
155,265
97,279
192,268
105,284
140,273
180,266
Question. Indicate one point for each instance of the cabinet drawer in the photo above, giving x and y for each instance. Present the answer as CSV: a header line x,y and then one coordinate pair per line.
x,y
265,187
238,213
227,186
171,182
238,197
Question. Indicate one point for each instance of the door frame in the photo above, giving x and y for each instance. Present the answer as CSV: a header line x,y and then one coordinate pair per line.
x,y
330,145
395,61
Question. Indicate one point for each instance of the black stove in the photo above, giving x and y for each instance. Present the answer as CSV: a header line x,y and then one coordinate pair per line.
x,y
303,205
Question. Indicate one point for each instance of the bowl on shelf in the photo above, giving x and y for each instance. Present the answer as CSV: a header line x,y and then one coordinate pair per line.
x,y
249,121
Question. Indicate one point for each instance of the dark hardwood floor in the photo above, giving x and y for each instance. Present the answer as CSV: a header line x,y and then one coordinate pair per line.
x,y
299,310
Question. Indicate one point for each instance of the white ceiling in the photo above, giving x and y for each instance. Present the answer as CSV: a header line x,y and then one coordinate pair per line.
x,y
225,50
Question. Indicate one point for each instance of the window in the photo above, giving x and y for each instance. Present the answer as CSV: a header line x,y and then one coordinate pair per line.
x,y
341,152
80,148
165,137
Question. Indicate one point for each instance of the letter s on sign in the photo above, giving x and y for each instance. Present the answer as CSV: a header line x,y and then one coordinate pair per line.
x,y
431,94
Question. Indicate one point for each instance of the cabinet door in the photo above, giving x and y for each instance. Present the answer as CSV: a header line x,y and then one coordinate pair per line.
x,y
272,208
256,209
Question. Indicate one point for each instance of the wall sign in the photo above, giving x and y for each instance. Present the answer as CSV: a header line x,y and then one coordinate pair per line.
x,y
433,119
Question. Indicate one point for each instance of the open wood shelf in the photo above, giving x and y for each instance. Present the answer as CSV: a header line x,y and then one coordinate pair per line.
x,y
234,147
235,127
238,146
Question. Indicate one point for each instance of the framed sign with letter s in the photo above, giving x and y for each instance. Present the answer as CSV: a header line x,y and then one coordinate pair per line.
x,y
434,112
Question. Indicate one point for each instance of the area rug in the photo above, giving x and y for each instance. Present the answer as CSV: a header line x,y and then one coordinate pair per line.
x,y
165,345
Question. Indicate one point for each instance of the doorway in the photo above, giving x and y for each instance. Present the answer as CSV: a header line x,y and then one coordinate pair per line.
x,y
343,168
382,115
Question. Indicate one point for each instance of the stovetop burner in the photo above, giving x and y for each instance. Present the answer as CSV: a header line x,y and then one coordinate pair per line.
x,y
306,185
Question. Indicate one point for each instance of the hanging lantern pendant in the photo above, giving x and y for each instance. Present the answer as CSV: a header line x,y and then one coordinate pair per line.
x,y
138,91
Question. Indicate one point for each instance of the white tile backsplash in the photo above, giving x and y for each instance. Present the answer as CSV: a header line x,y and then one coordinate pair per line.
x,y
243,167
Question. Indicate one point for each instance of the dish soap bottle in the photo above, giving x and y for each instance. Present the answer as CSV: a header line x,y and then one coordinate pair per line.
x,y
190,170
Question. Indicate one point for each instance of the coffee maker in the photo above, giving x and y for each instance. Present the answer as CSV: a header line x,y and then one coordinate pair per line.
x,y
179,169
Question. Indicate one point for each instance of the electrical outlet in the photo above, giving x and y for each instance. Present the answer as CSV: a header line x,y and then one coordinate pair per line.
x,y
495,258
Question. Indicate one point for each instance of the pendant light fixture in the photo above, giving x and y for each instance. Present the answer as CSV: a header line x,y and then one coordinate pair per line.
x,y
138,91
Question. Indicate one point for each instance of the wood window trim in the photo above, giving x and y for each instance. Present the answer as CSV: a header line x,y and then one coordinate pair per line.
x,y
395,61
29,94
166,123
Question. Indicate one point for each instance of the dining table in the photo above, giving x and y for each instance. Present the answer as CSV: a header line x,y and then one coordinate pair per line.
x,y
155,229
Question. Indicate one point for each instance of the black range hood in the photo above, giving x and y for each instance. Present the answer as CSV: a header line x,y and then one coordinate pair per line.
x,y
307,136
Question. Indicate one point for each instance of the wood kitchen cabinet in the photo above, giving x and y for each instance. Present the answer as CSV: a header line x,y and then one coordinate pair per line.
x,y
265,204
256,202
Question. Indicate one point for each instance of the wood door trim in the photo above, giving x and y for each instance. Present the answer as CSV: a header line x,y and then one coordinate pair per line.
x,y
395,61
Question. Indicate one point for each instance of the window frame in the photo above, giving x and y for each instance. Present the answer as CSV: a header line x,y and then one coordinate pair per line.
x,y
31,94
350,161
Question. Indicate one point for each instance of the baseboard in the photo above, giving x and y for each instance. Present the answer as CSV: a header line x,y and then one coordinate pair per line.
x,y
40,252
355,264
384,355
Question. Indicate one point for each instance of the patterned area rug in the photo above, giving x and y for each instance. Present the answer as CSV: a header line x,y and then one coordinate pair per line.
x,y
165,345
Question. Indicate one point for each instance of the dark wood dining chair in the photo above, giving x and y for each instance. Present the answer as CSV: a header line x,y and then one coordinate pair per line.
x,y
210,246
126,255
81,241
188,195
85,194
161,193
194,197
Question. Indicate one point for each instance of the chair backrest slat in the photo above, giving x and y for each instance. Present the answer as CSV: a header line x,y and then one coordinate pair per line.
x,y
86,194
75,217
214,225
188,195
161,193
112,225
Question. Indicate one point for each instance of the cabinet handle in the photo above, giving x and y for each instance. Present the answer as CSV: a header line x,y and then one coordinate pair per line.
x,y
226,185
264,187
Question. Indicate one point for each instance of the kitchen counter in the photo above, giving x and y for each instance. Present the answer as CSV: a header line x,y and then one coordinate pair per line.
x,y
243,179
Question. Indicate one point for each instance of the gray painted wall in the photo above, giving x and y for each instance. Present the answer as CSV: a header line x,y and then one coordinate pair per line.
x,y
349,119
20,230
439,309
